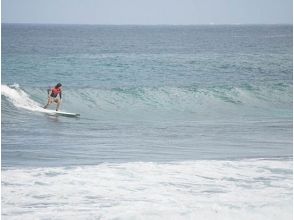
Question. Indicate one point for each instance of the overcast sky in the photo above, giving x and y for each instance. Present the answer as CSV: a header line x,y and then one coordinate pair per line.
x,y
148,11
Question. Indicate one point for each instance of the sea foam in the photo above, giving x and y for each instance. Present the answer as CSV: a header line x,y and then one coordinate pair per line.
x,y
244,189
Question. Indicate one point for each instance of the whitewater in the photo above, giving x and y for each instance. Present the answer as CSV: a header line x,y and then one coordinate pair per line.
x,y
246,189
176,122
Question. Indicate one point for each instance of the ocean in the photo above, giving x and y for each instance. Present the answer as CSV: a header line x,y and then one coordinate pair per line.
x,y
176,122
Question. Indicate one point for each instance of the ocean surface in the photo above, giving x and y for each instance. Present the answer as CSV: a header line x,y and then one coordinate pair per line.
x,y
176,122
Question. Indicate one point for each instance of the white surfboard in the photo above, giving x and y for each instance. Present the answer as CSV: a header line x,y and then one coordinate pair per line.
x,y
59,113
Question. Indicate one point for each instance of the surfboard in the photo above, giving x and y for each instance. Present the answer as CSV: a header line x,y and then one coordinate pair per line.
x,y
65,114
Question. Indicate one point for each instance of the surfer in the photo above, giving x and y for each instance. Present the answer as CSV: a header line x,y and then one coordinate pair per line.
x,y
53,96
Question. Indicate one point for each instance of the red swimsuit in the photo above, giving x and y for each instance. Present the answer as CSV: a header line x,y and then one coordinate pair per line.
x,y
55,92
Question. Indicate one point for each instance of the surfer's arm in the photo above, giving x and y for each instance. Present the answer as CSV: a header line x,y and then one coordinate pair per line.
x,y
49,93
60,94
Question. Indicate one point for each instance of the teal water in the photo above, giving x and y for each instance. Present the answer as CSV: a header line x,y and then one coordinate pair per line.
x,y
176,92
153,100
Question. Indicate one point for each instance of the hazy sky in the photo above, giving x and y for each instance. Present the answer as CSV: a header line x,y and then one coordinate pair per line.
x,y
147,11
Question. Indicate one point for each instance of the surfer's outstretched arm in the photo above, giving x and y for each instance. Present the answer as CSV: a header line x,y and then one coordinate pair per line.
x,y
49,101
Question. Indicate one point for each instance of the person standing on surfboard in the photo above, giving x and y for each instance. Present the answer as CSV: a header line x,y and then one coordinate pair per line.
x,y
53,96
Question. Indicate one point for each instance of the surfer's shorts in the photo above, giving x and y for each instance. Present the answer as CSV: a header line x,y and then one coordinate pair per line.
x,y
54,99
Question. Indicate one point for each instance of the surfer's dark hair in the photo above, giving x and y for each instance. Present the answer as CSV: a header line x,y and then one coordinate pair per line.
x,y
58,85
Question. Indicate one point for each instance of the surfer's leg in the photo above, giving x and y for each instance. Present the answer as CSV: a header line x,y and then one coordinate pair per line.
x,y
58,101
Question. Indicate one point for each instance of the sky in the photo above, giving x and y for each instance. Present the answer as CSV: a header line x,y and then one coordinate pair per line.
x,y
147,12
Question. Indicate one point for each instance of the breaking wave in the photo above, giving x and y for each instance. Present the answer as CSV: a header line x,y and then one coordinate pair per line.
x,y
274,100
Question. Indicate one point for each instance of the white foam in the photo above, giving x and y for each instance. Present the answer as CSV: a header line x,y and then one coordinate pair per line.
x,y
248,189
20,98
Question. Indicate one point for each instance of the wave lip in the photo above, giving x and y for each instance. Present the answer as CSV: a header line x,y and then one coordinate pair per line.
x,y
19,98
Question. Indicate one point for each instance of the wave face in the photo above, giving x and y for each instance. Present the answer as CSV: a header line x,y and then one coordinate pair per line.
x,y
167,102
246,189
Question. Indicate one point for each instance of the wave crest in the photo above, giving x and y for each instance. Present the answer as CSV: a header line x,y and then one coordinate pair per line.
x,y
211,101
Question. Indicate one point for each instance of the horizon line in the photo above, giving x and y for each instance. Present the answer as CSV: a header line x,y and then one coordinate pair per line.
x,y
200,24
